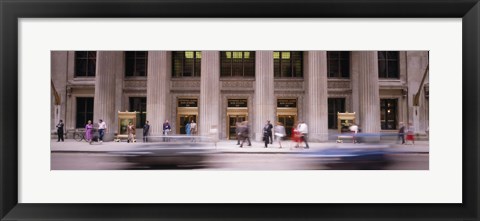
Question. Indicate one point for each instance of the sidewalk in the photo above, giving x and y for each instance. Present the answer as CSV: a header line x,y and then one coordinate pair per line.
x,y
229,146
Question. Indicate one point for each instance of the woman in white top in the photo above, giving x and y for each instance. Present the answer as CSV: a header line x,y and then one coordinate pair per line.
x,y
279,133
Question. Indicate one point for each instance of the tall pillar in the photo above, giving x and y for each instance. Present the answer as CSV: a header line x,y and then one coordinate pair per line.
x,y
108,64
354,74
158,90
264,87
120,78
209,119
59,80
369,91
417,62
316,95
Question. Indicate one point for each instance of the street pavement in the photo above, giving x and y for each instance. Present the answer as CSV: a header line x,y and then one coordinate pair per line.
x,y
229,146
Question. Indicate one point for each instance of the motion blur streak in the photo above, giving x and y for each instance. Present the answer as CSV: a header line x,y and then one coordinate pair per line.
x,y
202,156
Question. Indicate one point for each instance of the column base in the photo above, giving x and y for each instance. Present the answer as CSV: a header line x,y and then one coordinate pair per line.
x,y
318,137
258,137
108,136
370,139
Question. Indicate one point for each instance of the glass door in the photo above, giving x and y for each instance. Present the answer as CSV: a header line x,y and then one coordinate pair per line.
x,y
288,122
182,122
232,122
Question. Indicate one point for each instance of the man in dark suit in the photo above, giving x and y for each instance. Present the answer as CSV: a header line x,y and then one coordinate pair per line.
x,y
60,131
269,131
146,129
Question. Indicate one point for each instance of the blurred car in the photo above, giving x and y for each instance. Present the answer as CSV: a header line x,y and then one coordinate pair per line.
x,y
168,156
352,157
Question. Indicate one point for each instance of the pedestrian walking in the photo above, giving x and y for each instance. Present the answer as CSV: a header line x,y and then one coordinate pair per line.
x,y
279,133
131,132
60,126
193,128
270,134
410,133
146,130
244,131
266,134
166,130
237,132
401,133
303,129
102,128
89,131
296,138
187,128
354,130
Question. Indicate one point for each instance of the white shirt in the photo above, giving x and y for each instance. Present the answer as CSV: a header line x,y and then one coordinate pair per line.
x,y
303,128
354,128
102,125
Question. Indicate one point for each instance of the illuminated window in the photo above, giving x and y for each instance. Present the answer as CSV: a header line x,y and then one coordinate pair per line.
x,y
287,64
388,64
388,114
85,63
186,63
237,64
338,64
136,63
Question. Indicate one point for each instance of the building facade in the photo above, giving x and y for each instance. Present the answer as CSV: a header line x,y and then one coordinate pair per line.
x,y
219,88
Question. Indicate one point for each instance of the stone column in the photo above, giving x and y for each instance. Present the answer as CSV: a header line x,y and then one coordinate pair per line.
x,y
316,95
368,91
209,111
264,86
158,90
417,62
119,99
354,73
108,64
59,59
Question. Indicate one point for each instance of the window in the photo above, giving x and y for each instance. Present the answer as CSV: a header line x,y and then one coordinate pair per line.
x,y
85,63
338,64
287,64
186,63
388,114
335,105
139,105
237,64
84,111
136,63
388,64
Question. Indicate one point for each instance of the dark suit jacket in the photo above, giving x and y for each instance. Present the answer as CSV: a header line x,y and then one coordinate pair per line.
x,y
270,127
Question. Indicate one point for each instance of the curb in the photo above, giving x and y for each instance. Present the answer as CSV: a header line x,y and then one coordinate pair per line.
x,y
225,152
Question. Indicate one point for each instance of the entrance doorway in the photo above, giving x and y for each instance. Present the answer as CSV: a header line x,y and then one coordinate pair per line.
x,y
288,122
237,111
182,122
232,125
187,110
287,114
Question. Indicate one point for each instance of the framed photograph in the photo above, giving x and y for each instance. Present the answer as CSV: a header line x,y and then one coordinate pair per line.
x,y
123,75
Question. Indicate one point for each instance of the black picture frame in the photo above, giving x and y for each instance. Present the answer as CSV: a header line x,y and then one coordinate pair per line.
x,y
12,10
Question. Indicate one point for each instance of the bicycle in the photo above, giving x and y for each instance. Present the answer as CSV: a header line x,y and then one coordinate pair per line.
x,y
79,136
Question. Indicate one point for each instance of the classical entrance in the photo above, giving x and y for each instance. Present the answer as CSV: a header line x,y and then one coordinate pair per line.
x,y
232,122
187,110
287,114
237,112
288,122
